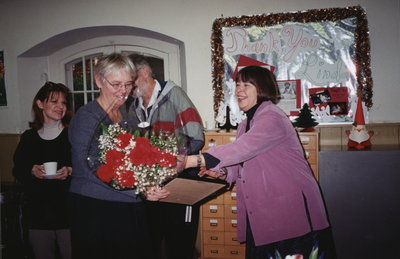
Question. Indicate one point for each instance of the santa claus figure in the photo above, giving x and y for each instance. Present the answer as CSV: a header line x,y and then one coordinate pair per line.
x,y
359,137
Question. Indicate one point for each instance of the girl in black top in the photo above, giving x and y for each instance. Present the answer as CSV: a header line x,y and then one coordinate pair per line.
x,y
45,197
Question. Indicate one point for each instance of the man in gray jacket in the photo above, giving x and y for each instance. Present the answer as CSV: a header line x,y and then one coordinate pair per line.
x,y
164,106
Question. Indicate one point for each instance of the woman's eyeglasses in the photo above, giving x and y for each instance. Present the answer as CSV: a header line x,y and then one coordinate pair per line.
x,y
119,85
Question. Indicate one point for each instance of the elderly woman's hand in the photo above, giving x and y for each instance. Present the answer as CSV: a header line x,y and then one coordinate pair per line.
x,y
155,194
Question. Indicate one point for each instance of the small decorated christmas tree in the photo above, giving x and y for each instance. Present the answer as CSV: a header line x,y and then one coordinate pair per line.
x,y
305,119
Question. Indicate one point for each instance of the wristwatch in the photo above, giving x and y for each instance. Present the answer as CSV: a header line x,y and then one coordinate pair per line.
x,y
199,160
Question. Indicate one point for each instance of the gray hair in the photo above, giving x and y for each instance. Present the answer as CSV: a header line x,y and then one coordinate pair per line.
x,y
140,61
114,63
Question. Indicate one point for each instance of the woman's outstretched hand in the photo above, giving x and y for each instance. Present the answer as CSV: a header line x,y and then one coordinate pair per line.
x,y
213,174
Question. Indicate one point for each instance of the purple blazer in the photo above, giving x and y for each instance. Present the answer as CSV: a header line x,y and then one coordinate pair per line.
x,y
275,187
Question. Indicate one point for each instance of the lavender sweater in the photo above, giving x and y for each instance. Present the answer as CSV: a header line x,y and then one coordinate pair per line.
x,y
275,186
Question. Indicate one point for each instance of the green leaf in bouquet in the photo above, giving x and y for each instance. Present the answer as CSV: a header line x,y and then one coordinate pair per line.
x,y
136,134
104,129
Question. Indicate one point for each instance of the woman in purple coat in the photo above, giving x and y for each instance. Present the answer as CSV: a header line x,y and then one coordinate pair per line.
x,y
280,209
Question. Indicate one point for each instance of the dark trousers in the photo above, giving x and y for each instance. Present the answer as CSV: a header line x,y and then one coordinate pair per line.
x,y
108,230
173,231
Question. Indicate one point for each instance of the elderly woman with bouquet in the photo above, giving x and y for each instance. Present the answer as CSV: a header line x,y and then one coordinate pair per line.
x,y
106,223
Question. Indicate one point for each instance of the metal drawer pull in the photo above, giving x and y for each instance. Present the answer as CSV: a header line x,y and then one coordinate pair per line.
x,y
214,251
214,238
212,143
234,210
305,140
234,223
235,252
213,208
213,222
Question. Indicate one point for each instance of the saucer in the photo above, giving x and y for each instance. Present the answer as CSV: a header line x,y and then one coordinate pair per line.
x,y
49,176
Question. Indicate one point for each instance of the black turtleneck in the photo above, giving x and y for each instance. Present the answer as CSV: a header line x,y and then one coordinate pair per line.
x,y
250,114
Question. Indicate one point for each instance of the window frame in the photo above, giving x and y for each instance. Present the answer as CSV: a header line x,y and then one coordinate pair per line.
x,y
168,52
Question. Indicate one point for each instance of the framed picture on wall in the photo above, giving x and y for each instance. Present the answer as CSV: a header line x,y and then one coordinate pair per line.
x,y
290,93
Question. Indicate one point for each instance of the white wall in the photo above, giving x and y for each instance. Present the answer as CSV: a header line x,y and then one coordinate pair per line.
x,y
24,24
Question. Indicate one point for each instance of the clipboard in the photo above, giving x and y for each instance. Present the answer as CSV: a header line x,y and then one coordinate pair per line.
x,y
188,191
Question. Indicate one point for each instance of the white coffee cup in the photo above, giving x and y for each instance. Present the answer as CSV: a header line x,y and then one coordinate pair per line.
x,y
50,168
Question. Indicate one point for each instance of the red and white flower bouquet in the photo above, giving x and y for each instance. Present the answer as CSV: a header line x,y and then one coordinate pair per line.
x,y
130,161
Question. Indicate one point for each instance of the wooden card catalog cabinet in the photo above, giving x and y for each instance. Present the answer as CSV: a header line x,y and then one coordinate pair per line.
x,y
218,217
310,143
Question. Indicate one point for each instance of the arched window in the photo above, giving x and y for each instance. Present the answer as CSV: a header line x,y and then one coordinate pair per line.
x,y
78,68
80,76
68,58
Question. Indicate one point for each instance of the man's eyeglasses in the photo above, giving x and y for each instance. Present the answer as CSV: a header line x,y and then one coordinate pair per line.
x,y
119,85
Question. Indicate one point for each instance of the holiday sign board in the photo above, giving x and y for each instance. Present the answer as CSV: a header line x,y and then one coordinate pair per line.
x,y
309,52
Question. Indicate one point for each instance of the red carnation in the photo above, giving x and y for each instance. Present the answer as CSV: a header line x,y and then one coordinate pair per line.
x,y
143,142
141,154
106,172
168,160
127,179
155,155
114,157
124,139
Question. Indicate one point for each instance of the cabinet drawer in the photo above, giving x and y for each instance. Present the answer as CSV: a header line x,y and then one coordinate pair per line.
x,y
213,237
230,224
212,141
214,251
233,252
217,200
308,141
213,224
228,139
230,211
311,156
213,210
230,197
231,239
